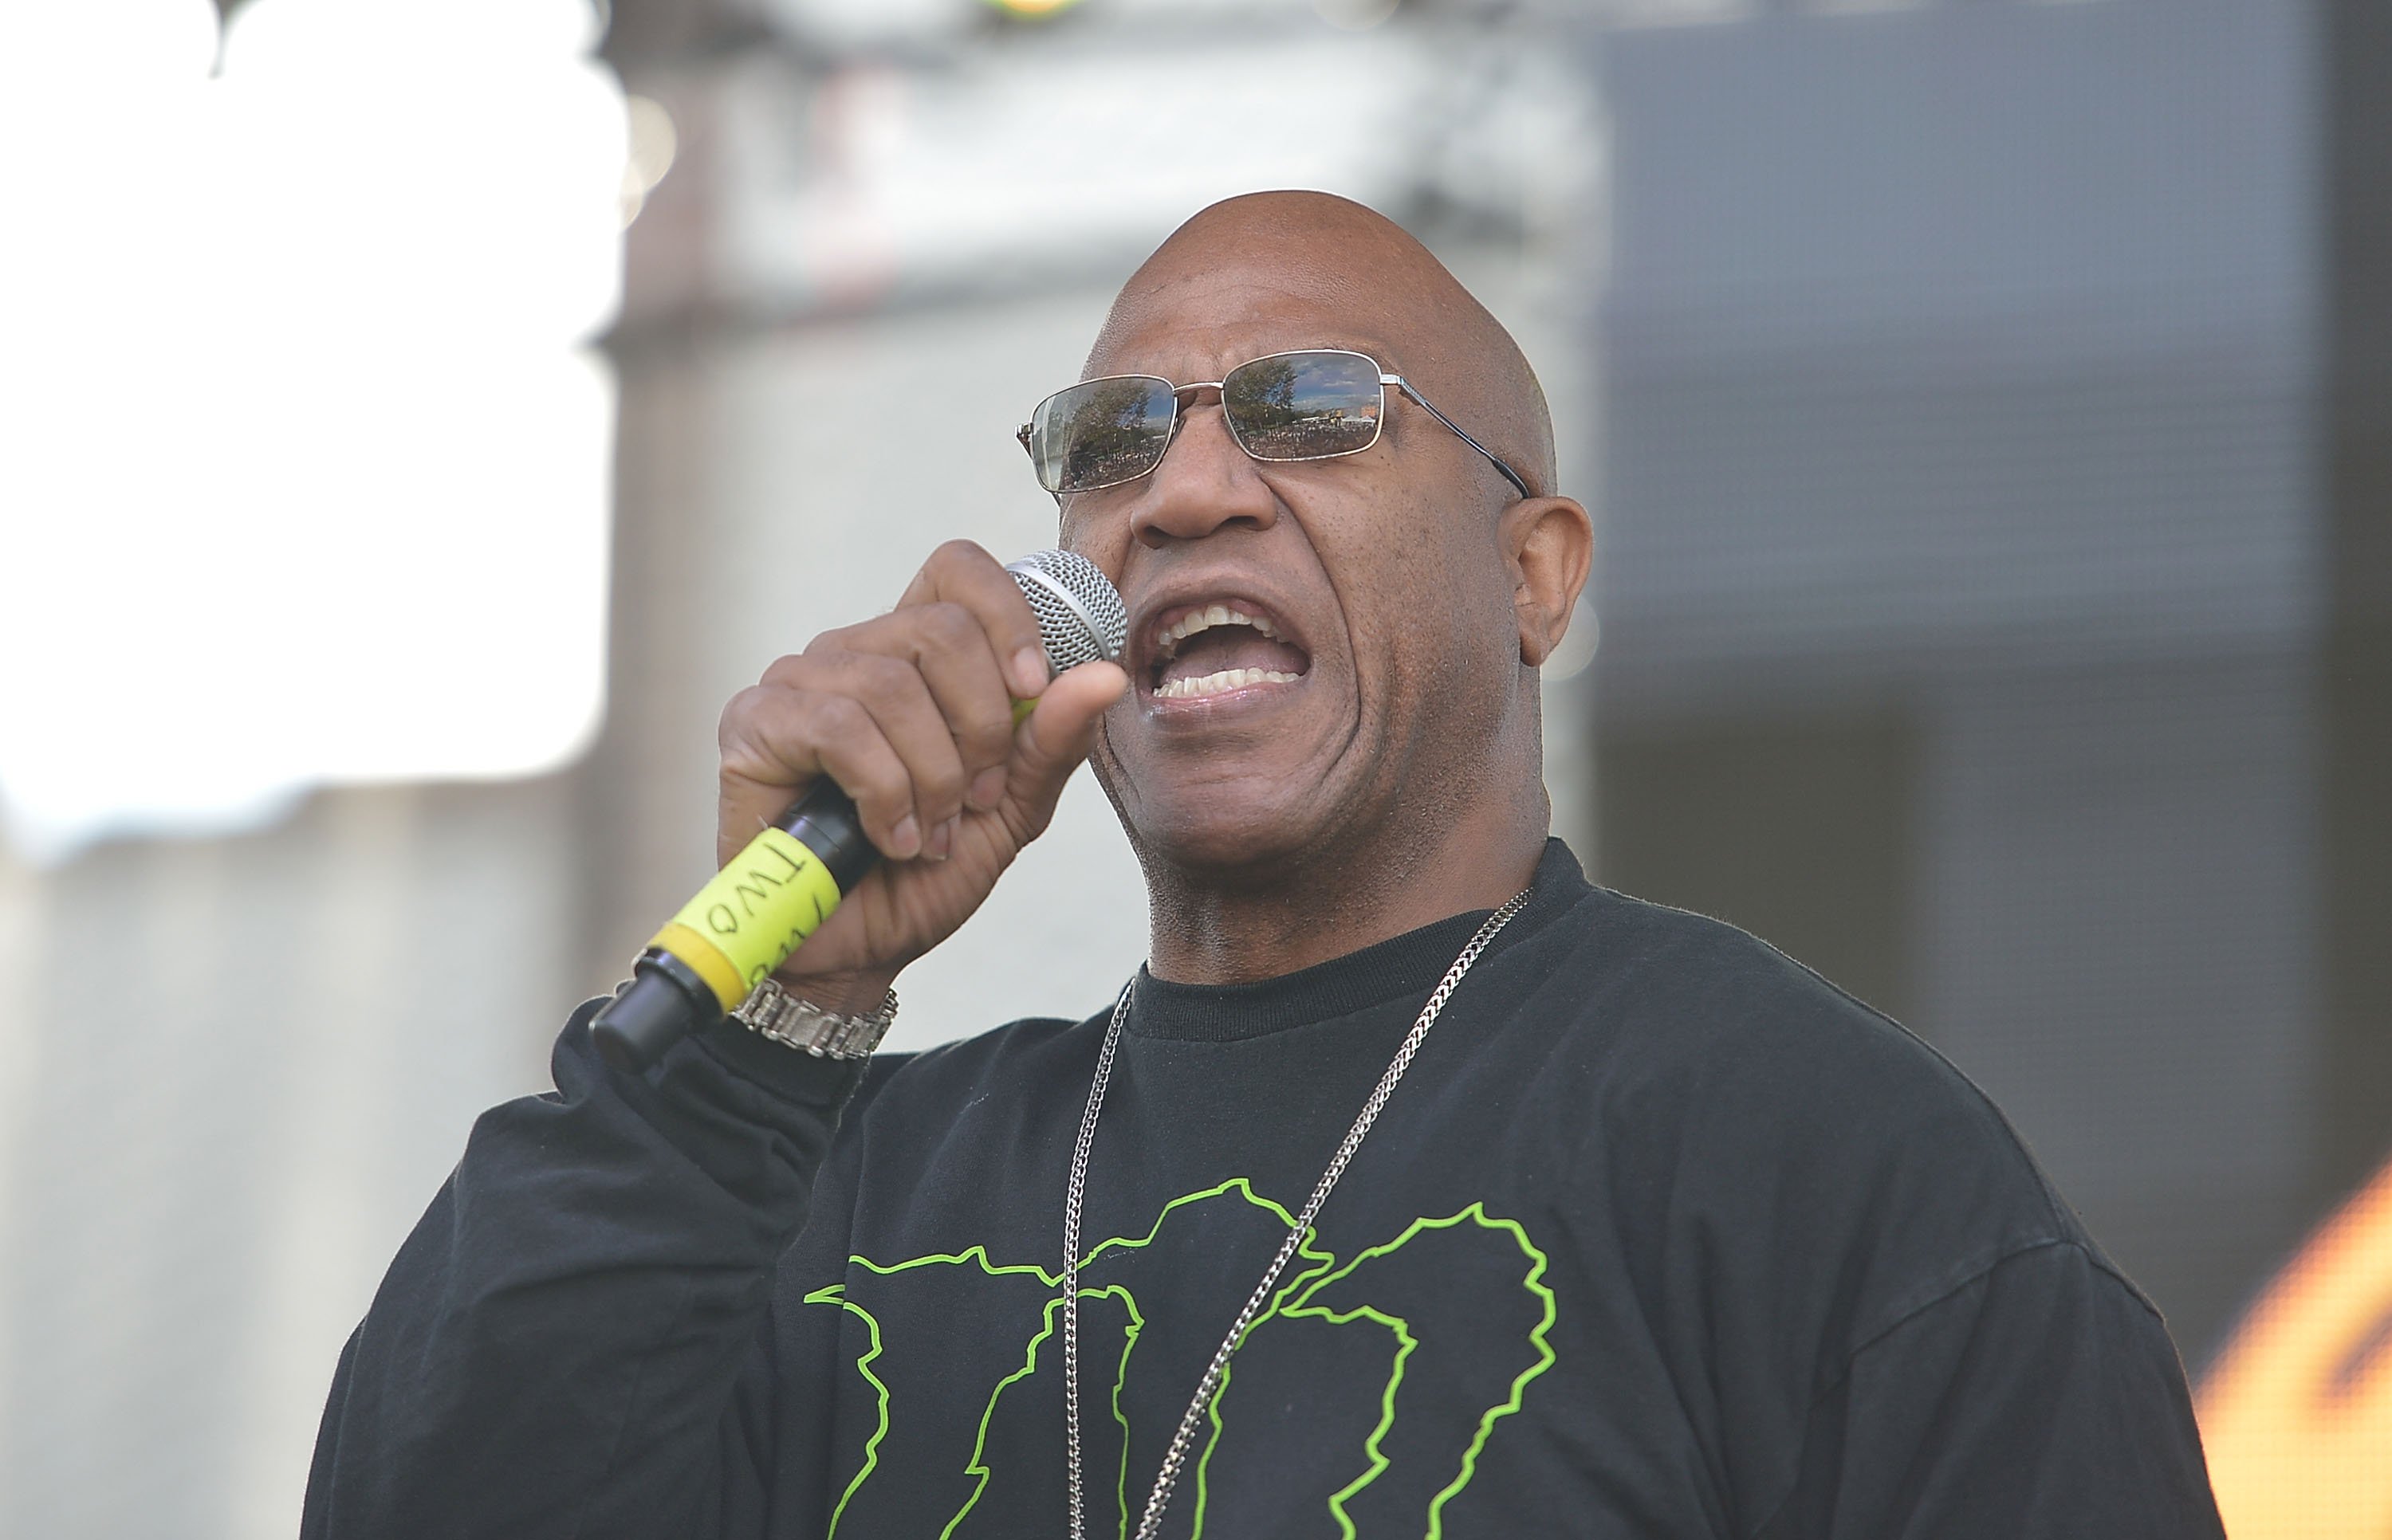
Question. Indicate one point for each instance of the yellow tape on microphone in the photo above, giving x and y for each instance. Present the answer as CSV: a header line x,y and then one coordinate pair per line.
x,y
744,922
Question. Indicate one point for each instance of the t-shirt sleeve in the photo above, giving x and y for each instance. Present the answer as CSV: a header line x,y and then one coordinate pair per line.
x,y
2042,1398
576,1338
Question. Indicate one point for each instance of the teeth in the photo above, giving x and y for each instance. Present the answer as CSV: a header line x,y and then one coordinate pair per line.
x,y
1205,619
1222,682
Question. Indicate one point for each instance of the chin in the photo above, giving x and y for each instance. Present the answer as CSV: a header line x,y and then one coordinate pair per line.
x,y
1239,832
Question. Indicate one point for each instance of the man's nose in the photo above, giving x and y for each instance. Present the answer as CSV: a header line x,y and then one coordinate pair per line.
x,y
1204,483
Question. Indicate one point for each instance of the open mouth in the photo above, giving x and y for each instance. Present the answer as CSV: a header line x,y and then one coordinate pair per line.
x,y
1209,650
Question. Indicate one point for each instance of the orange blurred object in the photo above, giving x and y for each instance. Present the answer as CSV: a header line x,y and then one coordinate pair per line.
x,y
2297,1412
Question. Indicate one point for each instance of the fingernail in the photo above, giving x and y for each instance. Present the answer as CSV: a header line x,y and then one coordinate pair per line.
x,y
906,837
986,788
1030,671
942,841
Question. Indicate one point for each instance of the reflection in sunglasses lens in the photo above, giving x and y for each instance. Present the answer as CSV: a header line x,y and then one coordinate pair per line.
x,y
1303,405
1101,433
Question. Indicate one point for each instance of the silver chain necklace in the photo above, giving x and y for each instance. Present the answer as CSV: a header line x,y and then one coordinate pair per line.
x,y
1176,1456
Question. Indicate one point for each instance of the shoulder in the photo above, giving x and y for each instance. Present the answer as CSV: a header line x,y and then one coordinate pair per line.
x,y
1680,1001
1742,1093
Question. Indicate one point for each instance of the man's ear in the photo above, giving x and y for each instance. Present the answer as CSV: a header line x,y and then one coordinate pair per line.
x,y
1549,543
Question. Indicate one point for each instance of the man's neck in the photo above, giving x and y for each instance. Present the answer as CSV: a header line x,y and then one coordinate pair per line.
x,y
1204,931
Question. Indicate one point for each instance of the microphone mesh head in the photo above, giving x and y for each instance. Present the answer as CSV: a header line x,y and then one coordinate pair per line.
x,y
1080,616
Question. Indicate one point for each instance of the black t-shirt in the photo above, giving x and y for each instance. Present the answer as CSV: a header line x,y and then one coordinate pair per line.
x,y
1660,1235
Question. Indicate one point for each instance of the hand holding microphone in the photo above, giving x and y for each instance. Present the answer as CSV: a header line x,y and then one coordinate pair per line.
x,y
931,736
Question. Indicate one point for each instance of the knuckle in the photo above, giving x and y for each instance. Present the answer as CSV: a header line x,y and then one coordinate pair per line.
x,y
942,784
791,668
740,717
835,717
957,554
948,625
830,643
889,678
984,735
875,794
877,679
882,790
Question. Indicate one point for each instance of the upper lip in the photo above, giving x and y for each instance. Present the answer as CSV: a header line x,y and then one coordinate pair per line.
x,y
1159,611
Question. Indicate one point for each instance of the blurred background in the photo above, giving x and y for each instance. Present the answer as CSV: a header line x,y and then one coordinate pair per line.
x,y
422,417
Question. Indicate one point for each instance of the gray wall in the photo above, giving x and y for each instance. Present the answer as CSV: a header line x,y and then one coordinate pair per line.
x,y
1961,368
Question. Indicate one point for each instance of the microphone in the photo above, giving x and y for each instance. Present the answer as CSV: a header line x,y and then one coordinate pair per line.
x,y
764,903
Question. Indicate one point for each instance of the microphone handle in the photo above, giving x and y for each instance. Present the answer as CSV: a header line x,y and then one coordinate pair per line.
x,y
741,927
759,909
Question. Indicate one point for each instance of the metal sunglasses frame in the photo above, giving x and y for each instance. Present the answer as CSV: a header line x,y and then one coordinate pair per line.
x,y
1171,429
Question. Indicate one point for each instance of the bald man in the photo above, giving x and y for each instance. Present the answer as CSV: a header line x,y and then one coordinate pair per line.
x,y
1412,1187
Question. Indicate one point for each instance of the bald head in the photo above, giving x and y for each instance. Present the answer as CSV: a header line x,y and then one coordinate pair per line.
x,y
1352,726
1363,268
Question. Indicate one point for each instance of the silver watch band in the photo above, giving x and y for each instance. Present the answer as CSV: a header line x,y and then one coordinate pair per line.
x,y
773,1013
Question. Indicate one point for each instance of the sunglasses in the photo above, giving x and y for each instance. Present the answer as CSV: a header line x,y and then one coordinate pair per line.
x,y
1317,404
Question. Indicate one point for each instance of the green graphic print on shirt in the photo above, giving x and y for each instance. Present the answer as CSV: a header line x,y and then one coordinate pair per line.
x,y
1381,1360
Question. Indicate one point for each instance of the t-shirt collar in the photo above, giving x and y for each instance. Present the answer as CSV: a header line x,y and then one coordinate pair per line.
x,y
1402,967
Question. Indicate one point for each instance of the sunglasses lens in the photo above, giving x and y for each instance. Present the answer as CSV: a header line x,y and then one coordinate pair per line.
x,y
1101,434
1304,406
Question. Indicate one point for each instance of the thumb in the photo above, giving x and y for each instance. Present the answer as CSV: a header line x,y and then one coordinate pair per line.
x,y
1060,734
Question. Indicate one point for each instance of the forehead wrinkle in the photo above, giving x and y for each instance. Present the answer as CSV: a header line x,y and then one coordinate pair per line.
x,y
1220,305
1326,342
1144,337
1227,270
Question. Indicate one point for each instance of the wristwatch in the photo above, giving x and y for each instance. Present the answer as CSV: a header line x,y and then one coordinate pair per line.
x,y
773,1013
